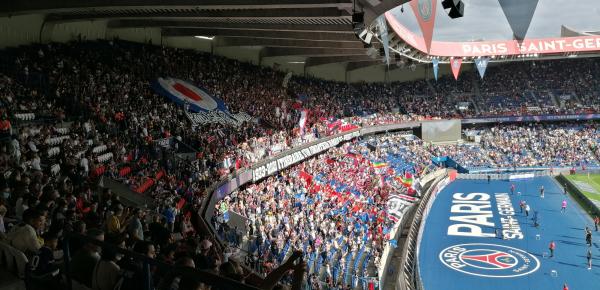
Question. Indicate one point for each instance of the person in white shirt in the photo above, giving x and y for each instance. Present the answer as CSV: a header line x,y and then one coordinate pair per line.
x,y
25,237
36,163
3,211
32,146
15,149
84,163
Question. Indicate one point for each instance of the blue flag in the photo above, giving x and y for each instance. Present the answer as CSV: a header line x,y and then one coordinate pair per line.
x,y
436,67
481,64
226,216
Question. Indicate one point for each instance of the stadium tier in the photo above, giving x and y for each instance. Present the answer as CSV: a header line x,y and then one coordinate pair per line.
x,y
131,165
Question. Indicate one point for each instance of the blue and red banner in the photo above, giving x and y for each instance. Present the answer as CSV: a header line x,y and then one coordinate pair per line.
x,y
187,94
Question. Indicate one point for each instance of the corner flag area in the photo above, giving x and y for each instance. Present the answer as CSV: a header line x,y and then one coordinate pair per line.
x,y
477,238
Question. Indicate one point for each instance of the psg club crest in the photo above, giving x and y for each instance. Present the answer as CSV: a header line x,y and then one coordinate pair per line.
x,y
425,9
189,95
489,260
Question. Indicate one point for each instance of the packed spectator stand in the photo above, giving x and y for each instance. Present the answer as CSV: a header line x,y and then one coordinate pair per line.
x,y
75,115
341,225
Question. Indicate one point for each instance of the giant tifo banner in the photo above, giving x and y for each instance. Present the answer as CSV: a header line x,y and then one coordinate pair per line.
x,y
201,107
492,48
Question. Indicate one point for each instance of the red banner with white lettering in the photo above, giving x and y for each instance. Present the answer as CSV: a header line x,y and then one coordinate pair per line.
x,y
455,63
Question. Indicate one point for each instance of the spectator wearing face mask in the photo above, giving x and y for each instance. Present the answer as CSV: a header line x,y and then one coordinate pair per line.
x,y
84,261
133,270
107,271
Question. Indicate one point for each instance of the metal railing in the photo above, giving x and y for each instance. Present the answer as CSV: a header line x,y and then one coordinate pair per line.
x,y
409,277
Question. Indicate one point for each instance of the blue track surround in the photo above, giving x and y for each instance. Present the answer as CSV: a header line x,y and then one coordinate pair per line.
x,y
450,259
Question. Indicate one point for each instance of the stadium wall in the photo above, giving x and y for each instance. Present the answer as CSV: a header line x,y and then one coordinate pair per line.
x,y
397,232
408,276
19,30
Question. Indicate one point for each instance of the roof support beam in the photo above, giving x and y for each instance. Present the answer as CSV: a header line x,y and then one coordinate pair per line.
x,y
32,6
308,35
307,51
362,64
285,42
197,13
322,60
136,23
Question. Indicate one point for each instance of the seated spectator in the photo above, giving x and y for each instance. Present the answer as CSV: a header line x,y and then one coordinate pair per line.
x,y
25,237
133,270
3,212
43,272
158,231
206,258
174,280
84,261
107,271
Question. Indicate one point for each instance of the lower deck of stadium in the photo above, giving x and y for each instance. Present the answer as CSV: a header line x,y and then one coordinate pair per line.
x,y
476,237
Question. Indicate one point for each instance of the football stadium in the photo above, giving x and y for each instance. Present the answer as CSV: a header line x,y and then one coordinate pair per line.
x,y
299,144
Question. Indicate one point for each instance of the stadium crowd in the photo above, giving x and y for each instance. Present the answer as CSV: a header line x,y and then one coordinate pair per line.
x,y
73,115
534,145
341,225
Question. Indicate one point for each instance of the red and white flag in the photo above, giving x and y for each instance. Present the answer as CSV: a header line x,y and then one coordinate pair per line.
x,y
455,64
302,122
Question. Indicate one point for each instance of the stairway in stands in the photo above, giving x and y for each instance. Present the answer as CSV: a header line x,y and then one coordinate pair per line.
x,y
476,93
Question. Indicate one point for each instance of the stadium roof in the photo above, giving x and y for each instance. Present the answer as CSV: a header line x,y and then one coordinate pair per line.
x,y
558,29
485,20
319,30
